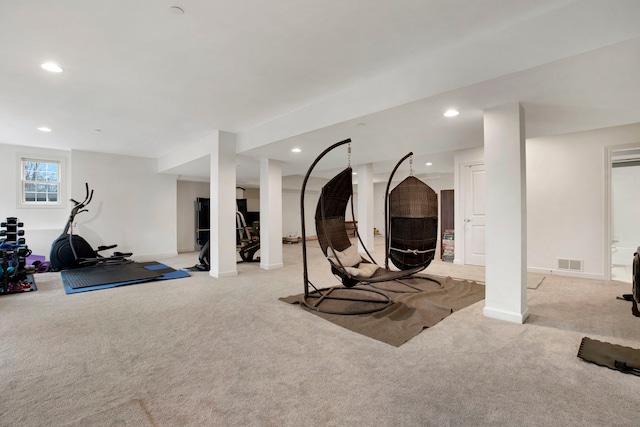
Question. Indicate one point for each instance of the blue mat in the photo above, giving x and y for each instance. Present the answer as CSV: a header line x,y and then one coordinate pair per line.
x,y
164,272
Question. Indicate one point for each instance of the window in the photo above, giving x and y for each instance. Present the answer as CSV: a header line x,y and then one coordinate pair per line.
x,y
40,182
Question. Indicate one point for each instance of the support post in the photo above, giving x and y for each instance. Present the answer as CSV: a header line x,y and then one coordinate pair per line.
x,y
506,213
222,241
270,214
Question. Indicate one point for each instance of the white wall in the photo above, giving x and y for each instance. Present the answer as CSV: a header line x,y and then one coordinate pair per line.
x,y
133,205
253,199
625,213
188,191
565,188
41,225
566,198
291,225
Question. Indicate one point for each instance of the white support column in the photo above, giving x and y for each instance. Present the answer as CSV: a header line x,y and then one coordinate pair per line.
x,y
365,207
506,214
270,214
222,243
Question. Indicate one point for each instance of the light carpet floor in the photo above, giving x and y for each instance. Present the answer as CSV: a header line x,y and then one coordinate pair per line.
x,y
226,352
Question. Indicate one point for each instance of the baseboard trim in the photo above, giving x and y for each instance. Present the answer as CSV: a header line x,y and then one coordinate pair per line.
x,y
555,272
507,316
222,274
153,257
271,266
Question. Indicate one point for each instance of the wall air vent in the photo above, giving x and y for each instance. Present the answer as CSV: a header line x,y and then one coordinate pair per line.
x,y
569,264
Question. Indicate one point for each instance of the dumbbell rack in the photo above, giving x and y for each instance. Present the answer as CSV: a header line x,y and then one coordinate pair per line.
x,y
13,254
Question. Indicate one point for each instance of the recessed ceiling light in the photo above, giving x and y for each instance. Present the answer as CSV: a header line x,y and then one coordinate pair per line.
x,y
44,129
295,150
428,163
451,113
354,173
52,67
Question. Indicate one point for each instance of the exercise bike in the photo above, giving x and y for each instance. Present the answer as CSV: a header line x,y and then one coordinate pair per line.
x,y
247,250
72,251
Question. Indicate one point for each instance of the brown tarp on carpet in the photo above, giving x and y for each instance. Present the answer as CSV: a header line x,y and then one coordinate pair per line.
x,y
613,356
410,313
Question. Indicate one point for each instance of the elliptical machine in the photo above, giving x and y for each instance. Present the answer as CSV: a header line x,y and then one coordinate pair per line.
x,y
203,257
72,251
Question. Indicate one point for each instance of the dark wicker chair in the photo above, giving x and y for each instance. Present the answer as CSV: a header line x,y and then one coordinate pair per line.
x,y
413,224
411,229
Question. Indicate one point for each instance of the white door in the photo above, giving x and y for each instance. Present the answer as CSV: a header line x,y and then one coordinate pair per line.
x,y
474,216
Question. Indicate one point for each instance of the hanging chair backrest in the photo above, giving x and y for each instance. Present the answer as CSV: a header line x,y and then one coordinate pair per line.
x,y
413,224
330,213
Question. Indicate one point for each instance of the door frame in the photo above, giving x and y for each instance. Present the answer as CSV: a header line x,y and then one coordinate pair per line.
x,y
607,214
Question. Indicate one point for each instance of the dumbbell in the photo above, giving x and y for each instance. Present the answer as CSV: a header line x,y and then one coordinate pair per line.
x,y
12,221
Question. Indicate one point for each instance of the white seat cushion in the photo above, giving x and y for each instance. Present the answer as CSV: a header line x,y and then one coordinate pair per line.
x,y
348,258
363,270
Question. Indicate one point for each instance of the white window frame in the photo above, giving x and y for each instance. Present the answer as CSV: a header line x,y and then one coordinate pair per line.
x,y
62,182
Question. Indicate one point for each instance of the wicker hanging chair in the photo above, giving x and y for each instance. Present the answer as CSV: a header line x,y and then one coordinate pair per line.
x,y
346,263
411,230
334,239
412,223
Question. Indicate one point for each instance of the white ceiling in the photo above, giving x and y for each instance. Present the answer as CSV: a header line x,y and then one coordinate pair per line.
x,y
140,80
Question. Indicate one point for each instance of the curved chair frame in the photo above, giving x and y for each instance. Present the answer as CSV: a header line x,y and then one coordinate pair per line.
x,y
353,297
635,297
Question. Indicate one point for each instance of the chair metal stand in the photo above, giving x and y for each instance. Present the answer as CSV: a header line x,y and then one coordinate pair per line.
x,y
408,288
341,300
336,300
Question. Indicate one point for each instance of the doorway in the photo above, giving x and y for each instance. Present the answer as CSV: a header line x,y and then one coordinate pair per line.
x,y
624,209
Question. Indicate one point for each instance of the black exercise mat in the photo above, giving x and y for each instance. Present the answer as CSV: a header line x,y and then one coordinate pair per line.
x,y
107,273
612,356
157,267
